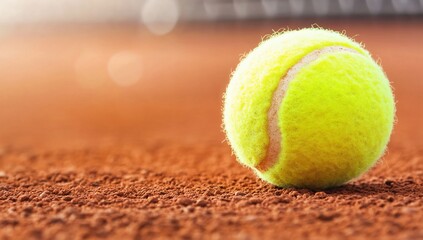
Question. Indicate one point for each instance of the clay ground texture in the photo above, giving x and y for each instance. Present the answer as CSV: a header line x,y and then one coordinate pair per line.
x,y
96,160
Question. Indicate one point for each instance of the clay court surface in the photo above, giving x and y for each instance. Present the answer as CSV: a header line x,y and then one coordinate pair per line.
x,y
82,157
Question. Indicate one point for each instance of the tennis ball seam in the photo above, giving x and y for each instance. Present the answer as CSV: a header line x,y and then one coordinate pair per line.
x,y
273,129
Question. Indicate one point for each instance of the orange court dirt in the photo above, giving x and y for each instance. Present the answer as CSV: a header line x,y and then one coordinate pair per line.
x,y
83,157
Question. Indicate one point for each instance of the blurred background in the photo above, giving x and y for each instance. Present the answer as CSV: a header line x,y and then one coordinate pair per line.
x,y
78,72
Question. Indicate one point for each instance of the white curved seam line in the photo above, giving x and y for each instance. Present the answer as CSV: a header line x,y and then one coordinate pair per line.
x,y
275,136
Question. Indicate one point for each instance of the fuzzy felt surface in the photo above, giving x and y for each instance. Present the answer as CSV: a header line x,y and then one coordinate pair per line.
x,y
336,119
317,98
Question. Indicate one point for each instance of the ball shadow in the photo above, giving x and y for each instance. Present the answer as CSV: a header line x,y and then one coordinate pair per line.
x,y
397,187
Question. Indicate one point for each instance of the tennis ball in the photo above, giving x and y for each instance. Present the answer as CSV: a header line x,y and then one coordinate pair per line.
x,y
308,108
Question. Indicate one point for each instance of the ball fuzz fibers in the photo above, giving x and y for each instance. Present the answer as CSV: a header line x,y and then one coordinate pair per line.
x,y
308,108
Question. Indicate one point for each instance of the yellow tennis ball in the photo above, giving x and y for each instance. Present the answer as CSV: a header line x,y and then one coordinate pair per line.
x,y
308,108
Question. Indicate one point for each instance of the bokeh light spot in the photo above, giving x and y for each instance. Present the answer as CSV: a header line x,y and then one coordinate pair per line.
x,y
125,68
160,16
